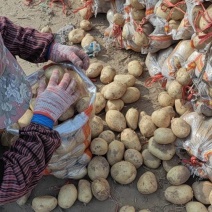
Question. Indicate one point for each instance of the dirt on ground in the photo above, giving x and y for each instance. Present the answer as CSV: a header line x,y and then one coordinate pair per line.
x,y
40,15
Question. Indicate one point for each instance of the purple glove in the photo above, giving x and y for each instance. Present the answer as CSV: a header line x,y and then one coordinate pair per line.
x,y
61,53
55,99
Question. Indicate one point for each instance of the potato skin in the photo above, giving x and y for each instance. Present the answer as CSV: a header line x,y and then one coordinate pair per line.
x,y
97,126
195,206
115,104
135,68
99,146
94,70
132,117
180,127
123,172
44,203
179,194
131,95
100,103
147,183
84,191
127,79
164,136
165,100
178,175
107,74
150,160
115,120
107,135
134,157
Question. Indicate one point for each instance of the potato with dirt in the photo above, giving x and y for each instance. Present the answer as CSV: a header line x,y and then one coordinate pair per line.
x,y
178,175
98,167
98,146
115,152
82,104
161,151
100,103
127,79
147,183
161,118
135,68
76,36
133,156
107,74
179,195
132,116
131,95
116,104
107,135
165,100
130,139
100,189
169,164
146,125
67,196
123,172
115,120
84,191
180,127
96,125
94,70
150,160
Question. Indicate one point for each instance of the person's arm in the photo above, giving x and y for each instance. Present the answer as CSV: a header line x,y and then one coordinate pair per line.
x,y
22,166
27,43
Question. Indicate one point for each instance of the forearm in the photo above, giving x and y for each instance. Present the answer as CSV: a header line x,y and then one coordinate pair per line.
x,y
27,43
26,160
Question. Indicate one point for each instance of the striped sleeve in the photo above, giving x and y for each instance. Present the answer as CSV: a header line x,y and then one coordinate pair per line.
x,y
25,162
27,43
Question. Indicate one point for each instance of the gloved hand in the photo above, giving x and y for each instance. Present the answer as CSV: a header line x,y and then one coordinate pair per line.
x,y
62,53
52,101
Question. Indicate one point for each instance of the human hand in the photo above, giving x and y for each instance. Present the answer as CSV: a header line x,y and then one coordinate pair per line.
x,y
57,97
62,53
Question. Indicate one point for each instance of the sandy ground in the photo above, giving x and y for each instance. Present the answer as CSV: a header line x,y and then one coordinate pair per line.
x,y
40,16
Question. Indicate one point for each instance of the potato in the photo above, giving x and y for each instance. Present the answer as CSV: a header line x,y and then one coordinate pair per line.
x,y
131,95
178,195
97,126
115,120
137,15
196,41
210,197
173,25
76,35
195,206
127,79
99,146
44,203
169,110
183,76
114,90
178,175
67,196
175,90
25,120
87,40
180,127
132,117
181,107
135,68
164,136
133,156
116,104
146,125
140,39
161,151
205,20
127,208
100,189
67,114
202,191
22,200
150,160
46,29
115,152
169,164
165,100
130,139
82,104
118,19
136,4
94,70
123,172
107,135
147,183
85,25
160,118
162,11
98,168
84,191
107,74
85,13
100,103
49,69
